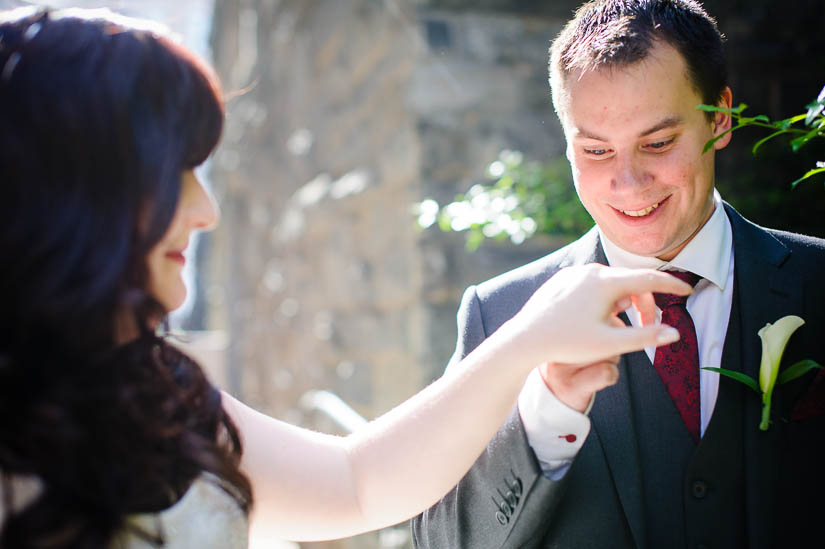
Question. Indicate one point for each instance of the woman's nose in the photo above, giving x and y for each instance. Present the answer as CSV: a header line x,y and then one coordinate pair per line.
x,y
201,208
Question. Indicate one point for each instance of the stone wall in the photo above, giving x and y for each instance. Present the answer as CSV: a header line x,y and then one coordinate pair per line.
x,y
352,111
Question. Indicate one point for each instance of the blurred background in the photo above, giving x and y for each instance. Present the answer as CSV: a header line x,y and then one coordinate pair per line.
x,y
319,288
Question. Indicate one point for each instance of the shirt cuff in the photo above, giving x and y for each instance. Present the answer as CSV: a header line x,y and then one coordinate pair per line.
x,y
554,431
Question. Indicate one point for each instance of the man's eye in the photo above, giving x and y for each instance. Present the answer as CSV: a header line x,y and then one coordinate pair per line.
x,y
596,152
659,144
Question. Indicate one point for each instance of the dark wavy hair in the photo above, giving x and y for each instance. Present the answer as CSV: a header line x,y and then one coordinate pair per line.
x,y
97,123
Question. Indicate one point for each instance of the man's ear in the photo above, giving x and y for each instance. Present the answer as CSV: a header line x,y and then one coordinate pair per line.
x,y
722,120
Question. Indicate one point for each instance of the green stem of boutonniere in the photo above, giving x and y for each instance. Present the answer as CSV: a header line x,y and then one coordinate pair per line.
x,y
774,339
766,411
800,368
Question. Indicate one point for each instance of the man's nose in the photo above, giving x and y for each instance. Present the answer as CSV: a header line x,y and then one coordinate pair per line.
x,y
629,172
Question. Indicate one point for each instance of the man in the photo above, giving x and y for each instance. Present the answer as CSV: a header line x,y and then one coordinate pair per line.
x,y
648,450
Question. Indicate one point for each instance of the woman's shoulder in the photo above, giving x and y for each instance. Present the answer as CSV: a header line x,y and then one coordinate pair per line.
x,y
207,516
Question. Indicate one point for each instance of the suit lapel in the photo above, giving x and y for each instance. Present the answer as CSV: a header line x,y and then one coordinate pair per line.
x,y
611,417
587,249
765,293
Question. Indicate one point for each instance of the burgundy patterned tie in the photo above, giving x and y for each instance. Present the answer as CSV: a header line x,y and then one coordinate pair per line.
x,y
678,363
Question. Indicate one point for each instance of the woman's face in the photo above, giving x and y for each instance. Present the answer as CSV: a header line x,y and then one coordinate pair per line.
x,y
196,211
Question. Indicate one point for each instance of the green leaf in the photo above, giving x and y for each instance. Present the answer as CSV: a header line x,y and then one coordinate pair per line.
x,y
788,122
444,220
474,240
753,120
807,175
802,140
812,114
738,376
814,110
712,108
710,142
765,139
799,369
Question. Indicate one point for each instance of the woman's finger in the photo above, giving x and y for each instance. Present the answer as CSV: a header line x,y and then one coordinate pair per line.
x,y
628,339
617,322
623,304
646,306
639,281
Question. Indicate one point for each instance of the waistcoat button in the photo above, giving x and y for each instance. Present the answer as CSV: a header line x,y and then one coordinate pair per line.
x,y
699,489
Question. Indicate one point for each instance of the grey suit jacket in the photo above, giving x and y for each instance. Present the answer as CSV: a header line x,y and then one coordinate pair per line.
x,y
504,501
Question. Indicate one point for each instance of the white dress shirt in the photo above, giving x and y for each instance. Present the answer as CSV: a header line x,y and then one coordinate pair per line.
x,y
555,432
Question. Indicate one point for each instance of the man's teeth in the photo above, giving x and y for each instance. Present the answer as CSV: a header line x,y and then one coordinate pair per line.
x,y
641,213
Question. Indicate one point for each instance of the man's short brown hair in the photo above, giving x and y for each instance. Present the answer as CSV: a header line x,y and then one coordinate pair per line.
x,y
619,33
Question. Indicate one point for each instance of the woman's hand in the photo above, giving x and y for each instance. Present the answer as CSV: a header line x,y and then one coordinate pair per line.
x,y
573,317
583,345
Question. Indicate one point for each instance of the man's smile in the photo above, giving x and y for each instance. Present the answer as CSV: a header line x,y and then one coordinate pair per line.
x,y
642,212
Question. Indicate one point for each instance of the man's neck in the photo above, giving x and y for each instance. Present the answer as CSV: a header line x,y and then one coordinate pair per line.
x,y
671,254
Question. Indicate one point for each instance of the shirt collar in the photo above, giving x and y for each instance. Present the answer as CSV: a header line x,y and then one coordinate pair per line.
x,y
707,254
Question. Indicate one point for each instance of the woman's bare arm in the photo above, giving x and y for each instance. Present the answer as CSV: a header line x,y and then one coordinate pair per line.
x,y
310,486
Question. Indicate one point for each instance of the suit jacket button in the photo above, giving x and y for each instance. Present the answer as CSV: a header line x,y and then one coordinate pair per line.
x,y
699,489
502,518
505,508
515,486
511,498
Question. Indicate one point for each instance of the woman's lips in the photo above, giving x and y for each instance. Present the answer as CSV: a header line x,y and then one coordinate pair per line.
x,y
176,256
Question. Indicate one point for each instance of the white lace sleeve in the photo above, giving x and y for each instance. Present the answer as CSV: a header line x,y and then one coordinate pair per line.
x,y
206,517
24,490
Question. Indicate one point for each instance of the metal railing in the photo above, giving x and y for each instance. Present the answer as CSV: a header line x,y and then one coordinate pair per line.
x,y
335,409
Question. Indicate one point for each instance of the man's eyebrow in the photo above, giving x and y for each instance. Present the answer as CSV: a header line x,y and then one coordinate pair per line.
x,y
582,133
669,122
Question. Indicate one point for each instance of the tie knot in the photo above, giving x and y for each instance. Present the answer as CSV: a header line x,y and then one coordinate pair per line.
x,y
668,300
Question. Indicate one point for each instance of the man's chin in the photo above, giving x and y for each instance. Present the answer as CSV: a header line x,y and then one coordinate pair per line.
x,y
665,252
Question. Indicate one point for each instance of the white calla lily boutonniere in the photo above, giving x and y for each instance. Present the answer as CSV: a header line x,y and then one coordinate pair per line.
x,y
774,339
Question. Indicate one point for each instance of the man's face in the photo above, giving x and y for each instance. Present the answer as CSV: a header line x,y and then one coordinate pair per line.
x,y
634,140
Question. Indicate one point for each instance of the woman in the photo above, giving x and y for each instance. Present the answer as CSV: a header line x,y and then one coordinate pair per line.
x,y
109,436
